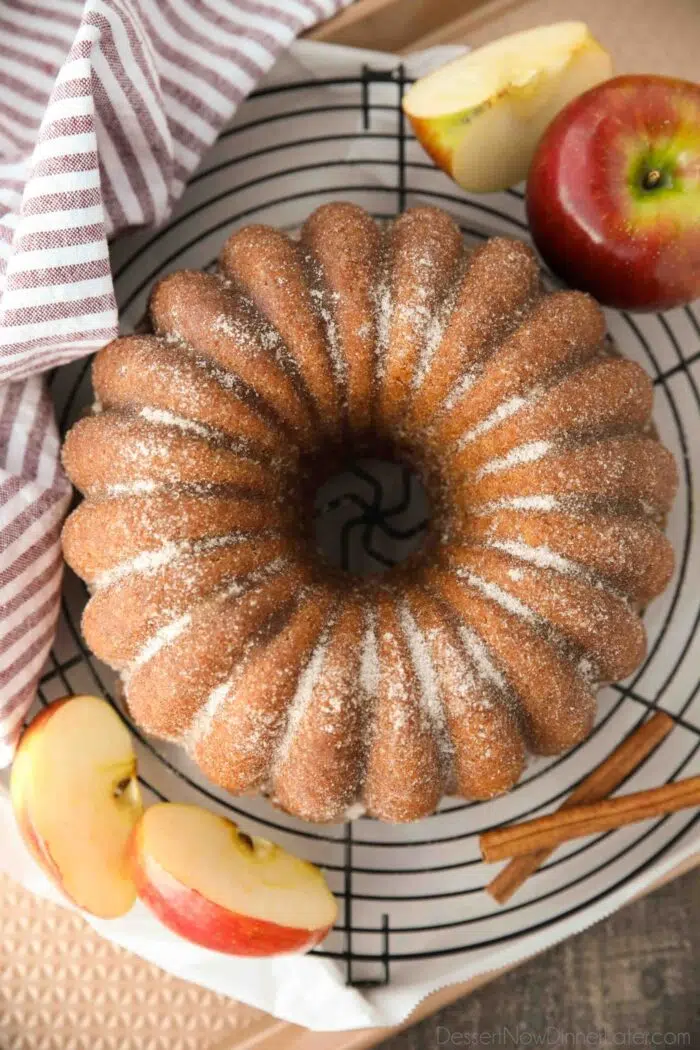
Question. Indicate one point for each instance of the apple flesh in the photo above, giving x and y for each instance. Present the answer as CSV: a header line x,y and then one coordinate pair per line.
x,y
480,117
613,194
214,885
76,801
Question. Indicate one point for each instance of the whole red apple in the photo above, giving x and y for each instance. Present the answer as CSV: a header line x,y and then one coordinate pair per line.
x,y
613,192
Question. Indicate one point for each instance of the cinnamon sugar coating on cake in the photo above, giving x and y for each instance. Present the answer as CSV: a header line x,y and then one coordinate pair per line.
x,y
278,673
320,761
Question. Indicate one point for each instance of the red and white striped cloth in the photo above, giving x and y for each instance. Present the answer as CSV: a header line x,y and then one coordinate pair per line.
x,y
106,107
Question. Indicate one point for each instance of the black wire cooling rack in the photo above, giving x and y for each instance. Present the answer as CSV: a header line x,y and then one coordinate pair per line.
x,y
414,893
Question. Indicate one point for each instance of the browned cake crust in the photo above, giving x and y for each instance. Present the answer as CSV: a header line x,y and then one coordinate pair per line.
x,y
548,486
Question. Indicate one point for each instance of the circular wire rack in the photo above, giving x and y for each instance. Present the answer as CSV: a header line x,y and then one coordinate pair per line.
x,y
415,893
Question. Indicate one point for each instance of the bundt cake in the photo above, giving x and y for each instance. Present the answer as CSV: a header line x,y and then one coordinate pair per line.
x,y
211,435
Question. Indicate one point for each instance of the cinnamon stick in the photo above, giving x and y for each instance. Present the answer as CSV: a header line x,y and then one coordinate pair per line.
x,y
600,783
591,819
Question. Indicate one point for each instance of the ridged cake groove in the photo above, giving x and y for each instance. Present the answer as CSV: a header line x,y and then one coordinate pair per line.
x,y
498,595
428,688
155,559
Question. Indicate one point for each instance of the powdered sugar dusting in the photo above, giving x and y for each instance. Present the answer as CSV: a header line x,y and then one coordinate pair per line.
x,y
227,380
481,657
545,558
324,303
434,332
453,665
204,717
588,671
504,411
151,560
160,415
302,697
251,331
497,594
165,418
544,503
369,661
462,693
464,384
161,638
132,488
170,631
355,811
528,453
416,317
542,557
174,339
429,691
433,338
206,714
146,562
384,308
151,449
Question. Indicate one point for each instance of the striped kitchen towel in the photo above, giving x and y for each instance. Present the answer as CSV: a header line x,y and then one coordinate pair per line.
x,y
106,107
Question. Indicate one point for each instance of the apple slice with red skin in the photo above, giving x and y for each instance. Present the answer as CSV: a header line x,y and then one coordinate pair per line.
x,y
216,886
76,801
480,116
613,192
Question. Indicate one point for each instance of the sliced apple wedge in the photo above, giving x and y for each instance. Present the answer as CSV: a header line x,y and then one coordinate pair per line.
x,y
214,885
481,116
76,801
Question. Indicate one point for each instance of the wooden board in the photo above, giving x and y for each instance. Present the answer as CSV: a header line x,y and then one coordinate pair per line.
x,y
60,984
639,40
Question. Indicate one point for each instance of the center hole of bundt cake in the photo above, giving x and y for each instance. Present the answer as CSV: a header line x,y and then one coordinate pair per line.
x,y
370,516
